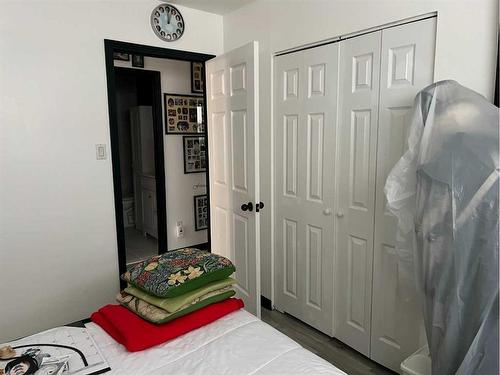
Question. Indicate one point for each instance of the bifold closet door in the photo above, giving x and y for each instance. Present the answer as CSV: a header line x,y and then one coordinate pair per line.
x,y
357,148
305,107
407,67
233,133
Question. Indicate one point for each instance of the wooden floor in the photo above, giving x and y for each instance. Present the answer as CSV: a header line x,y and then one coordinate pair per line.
x,y
330,349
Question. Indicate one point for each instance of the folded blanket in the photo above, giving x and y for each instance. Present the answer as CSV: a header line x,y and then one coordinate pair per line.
x,y
174,304
136,334
156,315
177,272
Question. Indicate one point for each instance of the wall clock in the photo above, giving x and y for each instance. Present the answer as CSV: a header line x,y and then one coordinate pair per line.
x,y
167,22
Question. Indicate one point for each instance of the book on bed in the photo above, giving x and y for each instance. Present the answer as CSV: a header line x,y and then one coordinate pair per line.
x,y
58,351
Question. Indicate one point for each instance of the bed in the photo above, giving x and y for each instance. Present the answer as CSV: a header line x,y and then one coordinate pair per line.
x,y
238,343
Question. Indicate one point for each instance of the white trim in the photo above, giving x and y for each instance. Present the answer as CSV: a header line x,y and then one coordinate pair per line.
x,y
256,99
272,183
357,33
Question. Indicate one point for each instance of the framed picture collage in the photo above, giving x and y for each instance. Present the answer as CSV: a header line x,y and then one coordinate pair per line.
x,y
195,159
184,114
200,212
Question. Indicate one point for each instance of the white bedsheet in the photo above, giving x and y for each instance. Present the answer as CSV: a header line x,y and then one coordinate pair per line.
x,y
238,343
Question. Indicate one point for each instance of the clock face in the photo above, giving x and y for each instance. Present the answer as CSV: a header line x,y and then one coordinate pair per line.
x,y
167,22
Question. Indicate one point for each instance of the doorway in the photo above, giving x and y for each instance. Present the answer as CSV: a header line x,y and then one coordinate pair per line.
x,y
143,151
135,105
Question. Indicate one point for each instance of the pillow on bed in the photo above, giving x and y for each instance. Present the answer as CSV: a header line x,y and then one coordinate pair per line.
x,y
156,315
177,272
173,304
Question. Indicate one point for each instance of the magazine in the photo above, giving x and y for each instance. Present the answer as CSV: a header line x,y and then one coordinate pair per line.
x,y
58,351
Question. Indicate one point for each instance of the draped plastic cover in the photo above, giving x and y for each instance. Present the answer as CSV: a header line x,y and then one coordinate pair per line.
x,y
444,194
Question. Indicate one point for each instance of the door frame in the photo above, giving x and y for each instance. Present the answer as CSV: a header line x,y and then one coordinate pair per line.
x,y
110,47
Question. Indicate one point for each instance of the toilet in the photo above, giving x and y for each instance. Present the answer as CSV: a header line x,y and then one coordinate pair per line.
x,y
128,212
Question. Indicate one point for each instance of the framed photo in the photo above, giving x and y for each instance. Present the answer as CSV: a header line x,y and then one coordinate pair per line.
x,y
200,212
195,154
121,56
184,114
197,77
138,61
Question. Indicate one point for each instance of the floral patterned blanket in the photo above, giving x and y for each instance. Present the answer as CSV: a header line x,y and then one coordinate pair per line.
x,y
177,272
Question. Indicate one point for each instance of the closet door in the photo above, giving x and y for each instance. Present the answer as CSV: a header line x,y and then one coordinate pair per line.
x,y
357,147
305,105
233,133
406,68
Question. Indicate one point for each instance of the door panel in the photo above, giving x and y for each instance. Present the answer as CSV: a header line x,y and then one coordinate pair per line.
x,y
306,96
239,142
232,108
406,68
315,143
290,257
357,143
314,249
290,155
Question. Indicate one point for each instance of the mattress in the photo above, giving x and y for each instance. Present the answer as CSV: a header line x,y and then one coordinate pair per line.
x,y
238,343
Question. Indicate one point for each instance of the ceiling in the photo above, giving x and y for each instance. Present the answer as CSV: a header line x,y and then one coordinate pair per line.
x,y
212,6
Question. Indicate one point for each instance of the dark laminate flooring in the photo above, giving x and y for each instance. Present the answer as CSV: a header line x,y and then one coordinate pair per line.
x,y
330,349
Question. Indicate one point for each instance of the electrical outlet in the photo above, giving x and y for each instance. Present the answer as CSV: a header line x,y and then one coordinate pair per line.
x,y
100,152
179,230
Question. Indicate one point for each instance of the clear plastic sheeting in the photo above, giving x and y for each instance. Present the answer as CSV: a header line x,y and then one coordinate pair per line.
x,y
444,192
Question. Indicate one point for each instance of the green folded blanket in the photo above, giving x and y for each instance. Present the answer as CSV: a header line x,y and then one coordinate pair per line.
x,y
156,315
178,272
173,304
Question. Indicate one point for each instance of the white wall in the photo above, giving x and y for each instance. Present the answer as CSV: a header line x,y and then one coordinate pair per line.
x,y
176,79
58,252
465,51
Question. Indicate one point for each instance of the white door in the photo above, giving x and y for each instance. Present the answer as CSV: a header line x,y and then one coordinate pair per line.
x,y
357,148
233,131
406,68
305,104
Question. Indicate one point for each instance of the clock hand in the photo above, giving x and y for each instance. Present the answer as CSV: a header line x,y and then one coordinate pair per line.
x,y
169,16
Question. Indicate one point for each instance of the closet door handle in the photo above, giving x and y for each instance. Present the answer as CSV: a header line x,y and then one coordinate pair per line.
x,y
340,214
327,211
259,206
247,206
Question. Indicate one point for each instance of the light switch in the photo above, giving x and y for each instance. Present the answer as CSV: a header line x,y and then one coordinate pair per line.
x,y
100,151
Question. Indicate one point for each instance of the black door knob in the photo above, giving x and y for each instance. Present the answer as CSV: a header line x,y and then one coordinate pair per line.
x,y
259,206
247,206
